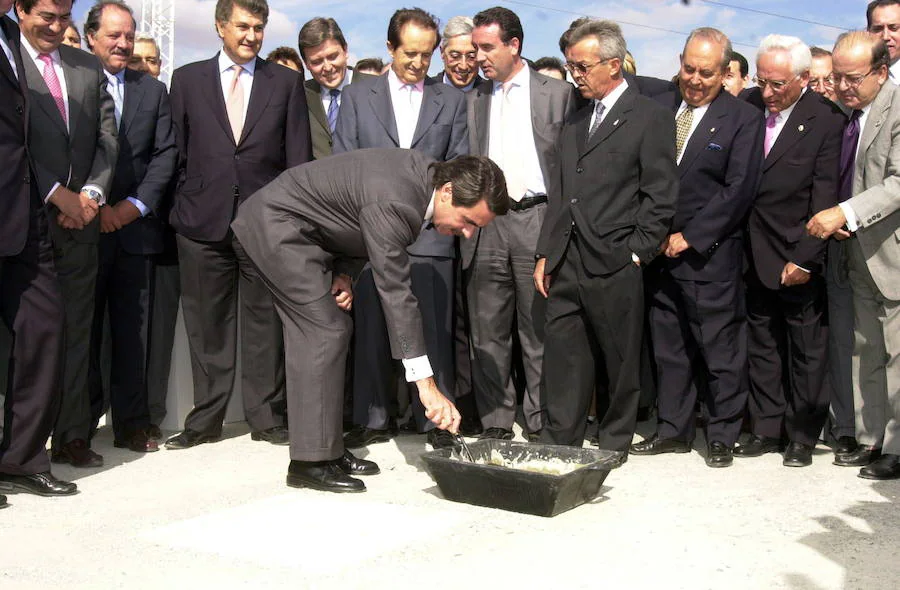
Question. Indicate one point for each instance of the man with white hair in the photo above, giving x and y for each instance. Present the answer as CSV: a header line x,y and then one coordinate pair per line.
x,y
786,306
458,54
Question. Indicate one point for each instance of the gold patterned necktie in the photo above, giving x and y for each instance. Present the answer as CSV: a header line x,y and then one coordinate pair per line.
x,y
683,129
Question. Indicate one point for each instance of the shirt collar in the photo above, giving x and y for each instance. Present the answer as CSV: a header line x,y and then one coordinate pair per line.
x,y
429,212
521,79
397,84
326,92
609,101
784,114
34,53
225,63
120,77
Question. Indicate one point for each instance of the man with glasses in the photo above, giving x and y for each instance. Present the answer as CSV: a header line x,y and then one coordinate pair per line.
x,y
239,122
820,78
868,215
618,191
515,118
458,54
697,292
786,310
883,21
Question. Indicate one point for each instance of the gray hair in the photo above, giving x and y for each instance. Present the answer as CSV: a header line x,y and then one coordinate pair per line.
x,y
456,26
801,57
715,36
607,33
145,38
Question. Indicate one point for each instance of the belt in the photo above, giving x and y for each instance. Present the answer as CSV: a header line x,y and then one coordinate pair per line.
x,y
527,202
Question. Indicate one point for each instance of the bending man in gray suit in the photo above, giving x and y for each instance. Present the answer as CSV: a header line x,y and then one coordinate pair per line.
x,y
305,228
868,213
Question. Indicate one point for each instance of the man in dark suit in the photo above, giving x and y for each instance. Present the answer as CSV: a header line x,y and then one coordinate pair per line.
x,y
697,295
30,300
239,122
72,139
515,117
131,230
786,308
403,108
458,54
324,52
617,196
303,228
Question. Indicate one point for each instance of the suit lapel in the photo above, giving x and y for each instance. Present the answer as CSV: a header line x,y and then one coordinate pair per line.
x,y
76,90
704,133
432,104
211,86
134,96
316,109
614,120
380,97
796,126
42,98
483,114
259,97
877,115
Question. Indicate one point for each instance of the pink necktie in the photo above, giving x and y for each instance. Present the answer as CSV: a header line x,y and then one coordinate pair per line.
x,y
234,104
53,85
771,120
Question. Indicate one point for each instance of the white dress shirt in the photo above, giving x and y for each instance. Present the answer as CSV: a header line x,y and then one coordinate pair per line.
x,y
695,121
519,98
894,72
245,80
849,213
782,118
325,93
407,102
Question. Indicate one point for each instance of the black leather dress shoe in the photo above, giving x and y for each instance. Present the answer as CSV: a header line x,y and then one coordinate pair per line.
x,y
720,455
189,438
845,445
496,434
138,442
277,435
3,503
470,427
76,453
861,457
352,465
657,446
757,446
440,439
885,467
42,484
361,436
797,455
326,476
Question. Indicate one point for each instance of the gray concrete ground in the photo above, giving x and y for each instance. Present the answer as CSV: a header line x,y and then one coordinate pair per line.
x,y
220,516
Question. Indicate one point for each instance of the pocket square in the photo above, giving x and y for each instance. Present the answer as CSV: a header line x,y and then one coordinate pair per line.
x,y
714,147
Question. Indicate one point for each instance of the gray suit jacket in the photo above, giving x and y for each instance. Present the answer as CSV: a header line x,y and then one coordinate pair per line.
x,y
552,101
366,120
876,191
366,204
318,118
86,153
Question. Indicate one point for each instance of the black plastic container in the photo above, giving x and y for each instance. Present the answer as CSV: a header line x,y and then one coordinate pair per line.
x,y
529,492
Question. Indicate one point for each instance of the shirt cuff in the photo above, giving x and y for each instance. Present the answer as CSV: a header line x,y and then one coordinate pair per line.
x,y
806,270
144,209
102,200
850,214
56,185
635,258
417,368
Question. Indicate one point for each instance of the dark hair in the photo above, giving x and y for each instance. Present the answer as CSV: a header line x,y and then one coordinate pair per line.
x,y
743,66
819,52
319,30
549,63
564,38
92,21
506,19
474,178
370,63
285,54
405,16
27,5
877,4
259,8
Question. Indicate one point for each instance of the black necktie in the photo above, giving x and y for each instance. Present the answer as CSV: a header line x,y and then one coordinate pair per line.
x,y
848,156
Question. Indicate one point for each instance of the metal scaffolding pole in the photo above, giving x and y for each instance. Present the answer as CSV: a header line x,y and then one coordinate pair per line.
x,y
158,21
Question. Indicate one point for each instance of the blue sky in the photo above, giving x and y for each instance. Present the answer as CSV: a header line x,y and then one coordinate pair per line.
x,y
364,23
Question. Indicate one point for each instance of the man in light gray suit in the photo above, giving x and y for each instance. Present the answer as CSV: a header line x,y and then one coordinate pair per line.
x,y
869,215
304,229
403,108
73,143
515,117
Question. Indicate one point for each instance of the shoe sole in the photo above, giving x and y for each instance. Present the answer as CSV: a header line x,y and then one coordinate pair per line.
x,y
296,483
719,465
876,478
179,447
666,452
795,464
16,488
59,460
125,446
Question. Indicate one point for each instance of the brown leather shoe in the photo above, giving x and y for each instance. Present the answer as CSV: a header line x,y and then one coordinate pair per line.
x,y
154,432
76,453
138,442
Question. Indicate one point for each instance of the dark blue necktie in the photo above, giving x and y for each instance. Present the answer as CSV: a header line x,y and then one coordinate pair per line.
x,y
848,156
333,108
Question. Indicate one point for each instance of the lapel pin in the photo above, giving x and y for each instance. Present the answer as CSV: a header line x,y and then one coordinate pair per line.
x,y
801,128
712,130
616,122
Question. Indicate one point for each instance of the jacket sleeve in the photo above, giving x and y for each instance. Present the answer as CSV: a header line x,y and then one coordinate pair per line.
x,y
107,150
297,140
155,184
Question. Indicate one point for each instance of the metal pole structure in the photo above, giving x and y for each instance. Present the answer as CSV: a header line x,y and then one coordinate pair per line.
x,y
158,21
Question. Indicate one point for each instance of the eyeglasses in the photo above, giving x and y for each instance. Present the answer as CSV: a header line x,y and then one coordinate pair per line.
x,y
775,85
456,57
852,80
578,69
826,82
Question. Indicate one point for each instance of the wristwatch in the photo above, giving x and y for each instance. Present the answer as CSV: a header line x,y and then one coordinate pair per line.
x,y
94,195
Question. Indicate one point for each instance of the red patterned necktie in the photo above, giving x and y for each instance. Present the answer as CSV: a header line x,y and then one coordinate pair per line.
x,y
54,86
